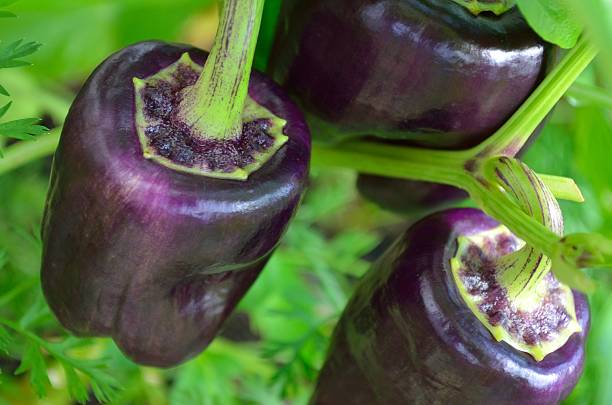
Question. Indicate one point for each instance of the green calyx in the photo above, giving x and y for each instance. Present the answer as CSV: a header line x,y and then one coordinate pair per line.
x,y
170,77
523,201
534,312
201,120
537,321
498,7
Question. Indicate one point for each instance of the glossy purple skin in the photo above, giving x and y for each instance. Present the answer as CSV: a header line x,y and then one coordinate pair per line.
x,y
155,258
407,336
427,70
424,71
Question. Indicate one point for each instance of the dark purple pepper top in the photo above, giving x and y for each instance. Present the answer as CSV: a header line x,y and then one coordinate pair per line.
x,y
155,258
407,336
421,70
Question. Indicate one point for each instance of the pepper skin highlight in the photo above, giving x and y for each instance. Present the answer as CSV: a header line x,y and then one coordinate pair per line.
x,y
154,257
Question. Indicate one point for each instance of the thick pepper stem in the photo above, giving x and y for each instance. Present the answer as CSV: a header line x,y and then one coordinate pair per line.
x,y
521,271
214,105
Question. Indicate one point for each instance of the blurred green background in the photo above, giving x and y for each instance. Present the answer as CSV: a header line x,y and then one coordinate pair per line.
x,y
272,347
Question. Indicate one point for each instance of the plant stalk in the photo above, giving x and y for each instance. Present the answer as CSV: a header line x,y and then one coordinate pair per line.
x,y
24,152
213,106
522,270
513,135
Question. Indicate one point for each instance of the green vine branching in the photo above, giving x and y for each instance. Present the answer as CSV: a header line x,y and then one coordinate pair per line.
x,y
464,169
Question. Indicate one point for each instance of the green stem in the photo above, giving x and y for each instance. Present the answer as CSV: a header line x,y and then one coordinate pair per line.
x,y
214,105
27,334
563,188
24,152
463,168
432,166
496,204
498,7
413,164
521,271
513,135
427,165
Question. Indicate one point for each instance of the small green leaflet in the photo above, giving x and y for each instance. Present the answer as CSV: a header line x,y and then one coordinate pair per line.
x,y
34,362
10,54
80,373
10,57
76,387
553,20
5,108
26,128
103,385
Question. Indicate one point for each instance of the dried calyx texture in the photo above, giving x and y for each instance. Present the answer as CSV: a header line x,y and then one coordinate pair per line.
x,y
168,140
538,324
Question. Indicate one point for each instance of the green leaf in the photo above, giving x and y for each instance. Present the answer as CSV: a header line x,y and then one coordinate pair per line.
x,y
5,340
34,362
10,54
593,143
3,91
7,14
553,20
76,388
26,128
104,386
5,108
217,375
6,3
600,353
